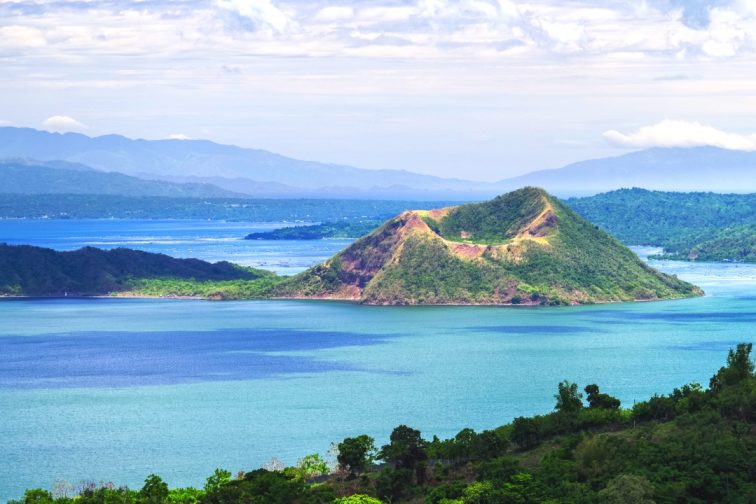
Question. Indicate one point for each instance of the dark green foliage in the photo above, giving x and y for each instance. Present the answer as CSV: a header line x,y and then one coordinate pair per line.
x,y
259,486
690,226
628,489
154,491
568,398
733,244
406,449
356,454
525,433
598,400
330,230
393,485
739,367
497,469
35,271
445,491
35,496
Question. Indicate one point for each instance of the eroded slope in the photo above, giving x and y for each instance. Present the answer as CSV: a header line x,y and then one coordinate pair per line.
x,y
524,247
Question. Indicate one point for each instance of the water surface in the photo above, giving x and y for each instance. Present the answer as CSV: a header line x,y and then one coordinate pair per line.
x,y
114,390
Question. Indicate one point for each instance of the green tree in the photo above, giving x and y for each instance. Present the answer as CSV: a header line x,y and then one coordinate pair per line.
x,y
154,491
187,495
219,478
739,367
357,499
627,489
596,399
311,466
481,492
356,454
35,496
525,433
406,449
568,398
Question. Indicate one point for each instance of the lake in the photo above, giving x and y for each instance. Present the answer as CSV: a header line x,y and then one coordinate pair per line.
x,y
114,389
202,239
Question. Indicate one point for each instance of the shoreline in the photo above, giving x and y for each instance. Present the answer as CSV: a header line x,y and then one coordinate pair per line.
x,y
126,295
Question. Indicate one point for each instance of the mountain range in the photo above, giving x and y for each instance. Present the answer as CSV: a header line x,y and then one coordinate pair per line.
x,y
58,177
259,173
250,171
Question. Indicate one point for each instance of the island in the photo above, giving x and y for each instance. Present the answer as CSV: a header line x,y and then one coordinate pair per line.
x,y
522,248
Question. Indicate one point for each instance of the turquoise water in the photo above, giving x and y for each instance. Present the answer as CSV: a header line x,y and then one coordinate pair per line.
x,y
113,390
208,240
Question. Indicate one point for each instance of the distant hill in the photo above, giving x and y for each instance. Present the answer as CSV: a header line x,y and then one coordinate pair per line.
x,y
36,271
97,206
326,230
692,226
56,177
251,171
667,169
264,174
524,247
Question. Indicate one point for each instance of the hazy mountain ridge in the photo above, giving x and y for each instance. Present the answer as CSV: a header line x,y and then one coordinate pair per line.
x,y
58,177
262,173
667,169
186,159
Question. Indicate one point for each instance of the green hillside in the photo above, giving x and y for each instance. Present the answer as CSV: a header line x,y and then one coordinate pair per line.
x,y
689,226
36,271
524,247
733,244
325,230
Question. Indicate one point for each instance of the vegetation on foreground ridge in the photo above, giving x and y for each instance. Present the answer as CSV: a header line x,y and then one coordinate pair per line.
x,y
693,445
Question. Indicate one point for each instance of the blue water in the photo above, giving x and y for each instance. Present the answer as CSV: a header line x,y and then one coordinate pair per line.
x,y
116,389
208,240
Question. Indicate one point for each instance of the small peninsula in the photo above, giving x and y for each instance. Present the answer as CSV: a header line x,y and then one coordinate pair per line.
x,y
41,272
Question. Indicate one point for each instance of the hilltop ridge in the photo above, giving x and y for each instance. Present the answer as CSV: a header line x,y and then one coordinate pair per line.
x,y
524,247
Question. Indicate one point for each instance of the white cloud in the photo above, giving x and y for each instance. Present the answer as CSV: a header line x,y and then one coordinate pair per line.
x,y
178,136
671,133
333,13
260,11
22,37
63,123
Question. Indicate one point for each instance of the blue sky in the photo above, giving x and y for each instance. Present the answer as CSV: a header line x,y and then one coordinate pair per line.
x,y
480,89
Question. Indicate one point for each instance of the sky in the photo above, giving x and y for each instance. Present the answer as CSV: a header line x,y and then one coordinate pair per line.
x,y
475,89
